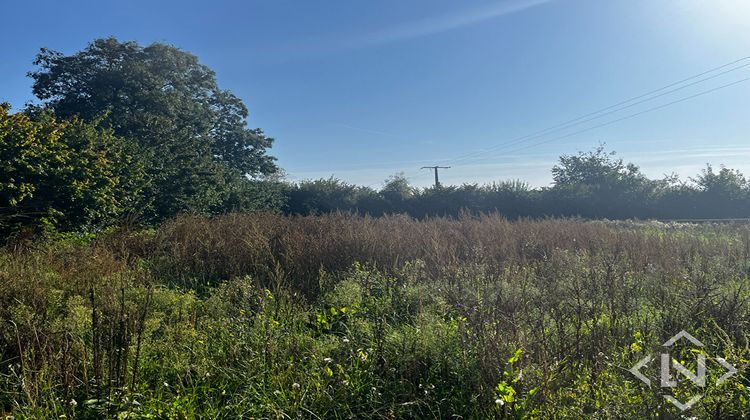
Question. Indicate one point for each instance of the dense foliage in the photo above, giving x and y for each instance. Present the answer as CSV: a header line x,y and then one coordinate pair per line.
x,y
64,174
594,184
191,134
266,316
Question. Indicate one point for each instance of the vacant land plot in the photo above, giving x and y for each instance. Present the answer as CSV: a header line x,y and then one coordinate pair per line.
x,y
344,316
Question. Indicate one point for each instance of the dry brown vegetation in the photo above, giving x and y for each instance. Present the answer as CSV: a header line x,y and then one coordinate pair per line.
x,y
341,315
298,247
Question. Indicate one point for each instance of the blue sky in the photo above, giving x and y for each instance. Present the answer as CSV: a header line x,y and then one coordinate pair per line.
x,y
364,89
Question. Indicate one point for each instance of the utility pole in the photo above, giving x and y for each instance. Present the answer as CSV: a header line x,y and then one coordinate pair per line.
x,y
435,168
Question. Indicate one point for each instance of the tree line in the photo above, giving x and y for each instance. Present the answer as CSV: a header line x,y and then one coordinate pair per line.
x,y
595,184
123,133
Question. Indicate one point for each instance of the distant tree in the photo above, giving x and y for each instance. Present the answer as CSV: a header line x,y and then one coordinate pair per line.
x,y
595,169
192,133
397,188
598,184
393,197
63,174
727,183
721,194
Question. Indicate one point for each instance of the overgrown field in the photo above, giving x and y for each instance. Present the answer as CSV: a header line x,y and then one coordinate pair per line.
x,y
338,316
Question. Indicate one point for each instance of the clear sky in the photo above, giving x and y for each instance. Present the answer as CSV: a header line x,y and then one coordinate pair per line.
x,y
363,89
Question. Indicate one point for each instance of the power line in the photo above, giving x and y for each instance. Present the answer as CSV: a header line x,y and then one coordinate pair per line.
x,y
616,110
609,109
705,92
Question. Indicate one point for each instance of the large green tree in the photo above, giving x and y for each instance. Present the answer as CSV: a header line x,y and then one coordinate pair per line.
x,y
192,133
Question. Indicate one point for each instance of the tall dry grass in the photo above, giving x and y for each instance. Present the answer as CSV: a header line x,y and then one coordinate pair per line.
x,y
222,316
197,251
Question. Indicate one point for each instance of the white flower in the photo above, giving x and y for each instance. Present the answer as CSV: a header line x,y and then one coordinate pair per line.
x,y
295,385
346,340
328,360
73,403
499,402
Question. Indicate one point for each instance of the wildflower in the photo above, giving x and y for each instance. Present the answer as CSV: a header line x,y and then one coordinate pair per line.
x,y
499,402
295,385
73,403
346,340
328,360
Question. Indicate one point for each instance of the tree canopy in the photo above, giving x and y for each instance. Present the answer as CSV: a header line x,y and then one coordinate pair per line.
x,y
192,134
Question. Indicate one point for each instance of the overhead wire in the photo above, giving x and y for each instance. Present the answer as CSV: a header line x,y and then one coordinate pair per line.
x,y
609,110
